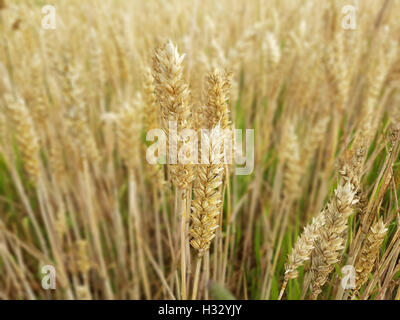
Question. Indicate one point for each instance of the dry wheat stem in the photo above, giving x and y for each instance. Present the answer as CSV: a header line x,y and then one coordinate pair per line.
x,y
128,133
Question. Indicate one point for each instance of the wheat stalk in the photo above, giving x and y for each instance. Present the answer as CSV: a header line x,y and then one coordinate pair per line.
x,y
128,137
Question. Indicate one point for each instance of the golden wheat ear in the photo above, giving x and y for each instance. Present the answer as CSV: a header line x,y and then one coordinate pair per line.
x,y
331,238
302,249
208,198
26,136
369,252
173,96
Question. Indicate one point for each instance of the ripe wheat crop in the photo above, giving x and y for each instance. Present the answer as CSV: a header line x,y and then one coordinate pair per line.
x,y
83,103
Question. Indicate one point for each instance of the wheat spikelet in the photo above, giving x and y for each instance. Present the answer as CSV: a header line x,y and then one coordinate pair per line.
x,y
27,139
331,239
173,97
369,252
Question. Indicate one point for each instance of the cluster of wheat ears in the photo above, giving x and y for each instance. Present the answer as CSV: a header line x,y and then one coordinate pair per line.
x,y
77,193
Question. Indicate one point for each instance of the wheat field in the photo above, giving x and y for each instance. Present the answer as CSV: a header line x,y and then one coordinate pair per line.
x,y
320,204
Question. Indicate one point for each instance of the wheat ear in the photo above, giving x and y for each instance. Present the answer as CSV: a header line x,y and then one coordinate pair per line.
x,y
272,49
26,136
302,249
331,236
369,252
209,177
292,161
173,96
77,118
152,121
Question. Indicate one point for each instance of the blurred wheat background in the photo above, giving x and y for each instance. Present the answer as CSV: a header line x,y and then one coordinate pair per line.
x,y
77,193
